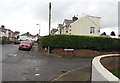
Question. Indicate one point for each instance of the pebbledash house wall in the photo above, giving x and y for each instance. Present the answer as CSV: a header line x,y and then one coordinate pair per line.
x,y
82,26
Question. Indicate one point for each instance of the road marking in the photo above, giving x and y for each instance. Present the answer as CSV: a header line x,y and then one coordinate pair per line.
x,y
12,54
24,78
36,69
15,54
37,74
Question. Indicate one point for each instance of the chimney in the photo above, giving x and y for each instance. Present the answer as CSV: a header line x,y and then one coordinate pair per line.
x,y
2,26
74,18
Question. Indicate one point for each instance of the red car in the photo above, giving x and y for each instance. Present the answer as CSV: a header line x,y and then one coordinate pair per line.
x,y
25,45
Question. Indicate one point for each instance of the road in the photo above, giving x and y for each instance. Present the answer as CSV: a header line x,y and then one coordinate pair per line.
x,y
22,66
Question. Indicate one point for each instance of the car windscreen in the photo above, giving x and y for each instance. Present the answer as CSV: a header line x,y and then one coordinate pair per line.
x,y
25,42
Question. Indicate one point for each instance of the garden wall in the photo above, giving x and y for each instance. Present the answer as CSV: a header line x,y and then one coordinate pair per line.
x,y
101,65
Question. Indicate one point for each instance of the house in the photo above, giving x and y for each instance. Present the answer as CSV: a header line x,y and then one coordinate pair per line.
x,y
10,35
60,26
87,25
25,36
6,33
16,34
28,36
2,31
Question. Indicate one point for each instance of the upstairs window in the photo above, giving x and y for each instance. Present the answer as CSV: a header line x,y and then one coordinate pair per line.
x,y
92,29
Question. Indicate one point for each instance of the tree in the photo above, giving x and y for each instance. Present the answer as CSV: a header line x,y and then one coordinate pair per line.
x,y
112,33
103,33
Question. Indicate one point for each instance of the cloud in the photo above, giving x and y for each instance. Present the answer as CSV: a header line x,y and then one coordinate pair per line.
x,y
26,13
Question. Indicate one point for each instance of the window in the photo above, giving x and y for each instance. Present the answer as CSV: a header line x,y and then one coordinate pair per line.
x,y
70,29
92,29
67,30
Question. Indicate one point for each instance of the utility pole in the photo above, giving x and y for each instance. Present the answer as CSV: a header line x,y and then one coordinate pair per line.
x,y
49,23
49,16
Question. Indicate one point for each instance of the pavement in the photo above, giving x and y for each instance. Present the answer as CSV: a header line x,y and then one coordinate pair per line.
x,y
79,74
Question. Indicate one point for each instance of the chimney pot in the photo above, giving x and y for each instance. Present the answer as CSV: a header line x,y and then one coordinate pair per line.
x,y
74,18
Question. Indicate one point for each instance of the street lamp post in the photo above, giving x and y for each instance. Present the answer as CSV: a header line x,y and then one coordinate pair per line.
x,y
39,28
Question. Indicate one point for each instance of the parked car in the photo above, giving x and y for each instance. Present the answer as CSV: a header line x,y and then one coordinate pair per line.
x,y
17,42
25,45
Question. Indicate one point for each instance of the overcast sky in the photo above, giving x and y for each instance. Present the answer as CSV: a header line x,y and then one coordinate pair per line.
x,y
23,15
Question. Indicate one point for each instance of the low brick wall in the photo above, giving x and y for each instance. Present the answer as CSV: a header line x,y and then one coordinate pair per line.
x,y
80,52
111,62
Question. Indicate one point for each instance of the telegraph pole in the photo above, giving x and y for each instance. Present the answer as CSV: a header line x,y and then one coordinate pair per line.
x,y
49,16
49,24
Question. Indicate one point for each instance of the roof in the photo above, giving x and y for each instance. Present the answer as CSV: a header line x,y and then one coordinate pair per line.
x,y
68,22
3,29
37,35
93,16
30,35
10,30
60,25
16,32
26,34
54,30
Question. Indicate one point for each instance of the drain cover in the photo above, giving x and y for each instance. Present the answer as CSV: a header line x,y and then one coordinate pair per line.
x,y
63,71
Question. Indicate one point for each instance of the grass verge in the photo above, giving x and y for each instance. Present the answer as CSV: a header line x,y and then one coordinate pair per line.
x,y
116,72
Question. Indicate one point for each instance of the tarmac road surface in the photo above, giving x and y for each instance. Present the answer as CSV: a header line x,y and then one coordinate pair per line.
x,y
20,65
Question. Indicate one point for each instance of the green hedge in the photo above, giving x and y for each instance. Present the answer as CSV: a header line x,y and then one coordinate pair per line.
x,y
80,42
0,42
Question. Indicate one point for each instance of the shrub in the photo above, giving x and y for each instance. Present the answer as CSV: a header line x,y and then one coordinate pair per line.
x,y
0,42
80,42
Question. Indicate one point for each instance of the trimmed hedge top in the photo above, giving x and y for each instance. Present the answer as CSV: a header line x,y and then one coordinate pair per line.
x,y
80,42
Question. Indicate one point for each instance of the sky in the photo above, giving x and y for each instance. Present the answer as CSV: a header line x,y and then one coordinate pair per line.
x,y
24,15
